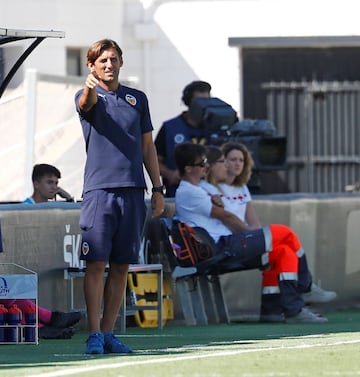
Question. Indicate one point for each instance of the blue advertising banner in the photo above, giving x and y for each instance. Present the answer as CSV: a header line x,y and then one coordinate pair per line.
x,y
20,286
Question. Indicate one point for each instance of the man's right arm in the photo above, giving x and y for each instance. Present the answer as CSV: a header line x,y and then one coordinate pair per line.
x,y
88,98
228,219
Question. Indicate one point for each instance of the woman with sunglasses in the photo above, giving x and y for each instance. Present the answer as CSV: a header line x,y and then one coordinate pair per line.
x,y
271,248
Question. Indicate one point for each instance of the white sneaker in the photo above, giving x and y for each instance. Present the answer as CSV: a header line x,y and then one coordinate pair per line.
x,y
306,316
318,295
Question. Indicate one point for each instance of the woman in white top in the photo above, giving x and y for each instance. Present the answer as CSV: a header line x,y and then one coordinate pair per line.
x,y
230,182
239,164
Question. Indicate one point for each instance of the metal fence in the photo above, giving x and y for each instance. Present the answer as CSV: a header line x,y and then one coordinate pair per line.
x,y
321,122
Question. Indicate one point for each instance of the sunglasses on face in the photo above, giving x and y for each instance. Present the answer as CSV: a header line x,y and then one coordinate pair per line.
x,y
201,164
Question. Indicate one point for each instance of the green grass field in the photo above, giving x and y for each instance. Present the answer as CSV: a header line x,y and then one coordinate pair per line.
x,y
246,349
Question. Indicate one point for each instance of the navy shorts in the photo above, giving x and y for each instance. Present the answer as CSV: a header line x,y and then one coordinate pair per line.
x,y
111,223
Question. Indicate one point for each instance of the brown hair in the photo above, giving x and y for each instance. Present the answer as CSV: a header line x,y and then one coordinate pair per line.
x,y
212,154
243,178
98,47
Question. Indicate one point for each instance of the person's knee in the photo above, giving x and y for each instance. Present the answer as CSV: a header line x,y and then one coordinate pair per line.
x,y
281,229
118,268
282,234
95,267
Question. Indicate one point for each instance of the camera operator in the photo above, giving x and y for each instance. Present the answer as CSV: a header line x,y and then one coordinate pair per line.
x,y
178,130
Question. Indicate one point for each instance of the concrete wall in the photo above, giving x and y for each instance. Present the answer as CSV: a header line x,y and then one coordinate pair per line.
x,y
45,238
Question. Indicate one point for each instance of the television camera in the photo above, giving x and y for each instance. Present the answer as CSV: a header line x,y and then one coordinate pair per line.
x,y
219,118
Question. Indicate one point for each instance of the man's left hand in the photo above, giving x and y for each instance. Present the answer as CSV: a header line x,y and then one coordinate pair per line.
x,y
157,204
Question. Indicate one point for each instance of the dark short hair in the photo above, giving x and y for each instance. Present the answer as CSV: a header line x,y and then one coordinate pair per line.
x,y
195,86
186,154
42,170
98,47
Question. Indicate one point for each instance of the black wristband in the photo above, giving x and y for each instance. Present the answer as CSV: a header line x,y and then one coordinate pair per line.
x,y
160,189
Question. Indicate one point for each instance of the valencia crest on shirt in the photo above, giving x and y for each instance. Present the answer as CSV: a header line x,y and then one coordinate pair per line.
x,y
130,99
85,248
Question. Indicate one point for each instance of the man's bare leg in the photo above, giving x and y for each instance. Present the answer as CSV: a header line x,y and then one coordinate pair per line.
x,y
113,294
94,291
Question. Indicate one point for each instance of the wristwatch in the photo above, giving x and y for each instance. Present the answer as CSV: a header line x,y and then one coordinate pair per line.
x,y
160,189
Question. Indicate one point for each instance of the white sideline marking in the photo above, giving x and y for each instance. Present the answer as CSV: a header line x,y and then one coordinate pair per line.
x,y
69,372
148,336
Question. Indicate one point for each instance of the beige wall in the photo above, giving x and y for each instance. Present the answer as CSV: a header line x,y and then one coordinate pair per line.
x,y
46,239
329,229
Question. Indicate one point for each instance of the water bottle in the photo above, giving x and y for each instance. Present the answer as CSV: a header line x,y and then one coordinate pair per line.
x,y
3,312
13,319
30,322
133,298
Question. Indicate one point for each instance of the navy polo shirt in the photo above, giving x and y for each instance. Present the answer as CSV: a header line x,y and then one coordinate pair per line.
x,y
112,131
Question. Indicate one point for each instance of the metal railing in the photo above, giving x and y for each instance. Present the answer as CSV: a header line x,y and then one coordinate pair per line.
x,y
321,123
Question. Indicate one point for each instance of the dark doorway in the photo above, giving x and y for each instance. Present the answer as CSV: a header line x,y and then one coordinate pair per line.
x,y
264,65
